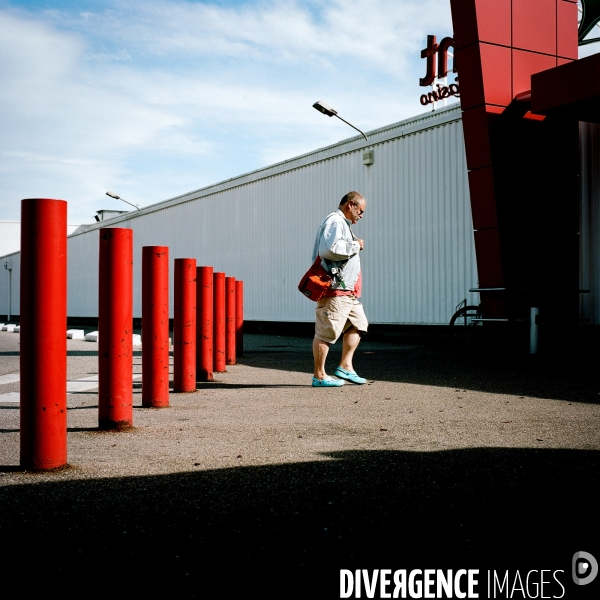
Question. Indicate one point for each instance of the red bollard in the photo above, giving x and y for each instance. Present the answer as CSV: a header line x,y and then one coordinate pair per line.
x,y
155,326
43,318
239,318
184,326
204,324
219,364
115,329
230,320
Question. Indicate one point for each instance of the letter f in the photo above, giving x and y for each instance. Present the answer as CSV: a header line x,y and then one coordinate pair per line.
x,y
429,54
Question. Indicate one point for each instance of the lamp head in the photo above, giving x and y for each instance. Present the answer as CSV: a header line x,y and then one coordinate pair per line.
x,y
325,108
113,195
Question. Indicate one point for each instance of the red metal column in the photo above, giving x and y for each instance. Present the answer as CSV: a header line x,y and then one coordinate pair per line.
x,y
43,318
239,318
115,329
204,324
230,320
184,326
499,46
219,364
155,326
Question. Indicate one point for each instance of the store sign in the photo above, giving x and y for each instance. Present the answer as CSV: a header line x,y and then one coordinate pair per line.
x,y
439,51
442,92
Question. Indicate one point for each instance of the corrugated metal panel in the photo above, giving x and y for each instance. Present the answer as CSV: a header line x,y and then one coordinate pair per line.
x,y
10,267
418,260
82,280
421,223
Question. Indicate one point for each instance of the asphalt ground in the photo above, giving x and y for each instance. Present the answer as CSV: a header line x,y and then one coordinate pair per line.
x,y
452,456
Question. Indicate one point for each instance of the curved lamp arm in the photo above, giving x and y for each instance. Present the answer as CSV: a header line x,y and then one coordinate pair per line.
x,y
331,112
117,197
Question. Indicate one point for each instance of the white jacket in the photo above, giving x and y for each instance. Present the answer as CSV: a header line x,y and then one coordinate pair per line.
x,y
335,243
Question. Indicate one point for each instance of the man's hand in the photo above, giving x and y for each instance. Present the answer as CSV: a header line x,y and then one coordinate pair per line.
x,y
361,243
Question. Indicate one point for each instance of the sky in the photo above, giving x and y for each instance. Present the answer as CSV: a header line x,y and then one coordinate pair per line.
x,y
157,98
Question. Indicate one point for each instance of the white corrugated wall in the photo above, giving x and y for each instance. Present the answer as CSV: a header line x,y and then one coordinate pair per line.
x,y
418,261
10,267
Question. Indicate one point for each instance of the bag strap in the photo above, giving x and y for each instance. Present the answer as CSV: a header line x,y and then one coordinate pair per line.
x,y
337,213
354,238
337,276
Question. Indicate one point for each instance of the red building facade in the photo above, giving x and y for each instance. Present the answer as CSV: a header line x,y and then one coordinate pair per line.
x,y
523,165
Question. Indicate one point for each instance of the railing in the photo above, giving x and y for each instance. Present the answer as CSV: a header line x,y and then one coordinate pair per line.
x,y
533,315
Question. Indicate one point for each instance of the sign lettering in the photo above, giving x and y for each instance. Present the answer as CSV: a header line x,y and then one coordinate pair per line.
x,y
440,50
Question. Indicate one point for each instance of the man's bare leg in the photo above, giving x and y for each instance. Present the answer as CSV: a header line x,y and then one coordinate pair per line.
x,y
320,351
350,343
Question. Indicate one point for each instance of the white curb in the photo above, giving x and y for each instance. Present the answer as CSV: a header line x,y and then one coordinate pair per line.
x,y
75,334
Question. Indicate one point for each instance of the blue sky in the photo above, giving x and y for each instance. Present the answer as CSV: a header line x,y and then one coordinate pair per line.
x,y
157,98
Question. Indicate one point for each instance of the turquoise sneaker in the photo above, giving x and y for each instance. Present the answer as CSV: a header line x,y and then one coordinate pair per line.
x,y
327,382
349,376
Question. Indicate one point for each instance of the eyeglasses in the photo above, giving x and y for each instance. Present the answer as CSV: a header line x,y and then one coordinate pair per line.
x,y
360,212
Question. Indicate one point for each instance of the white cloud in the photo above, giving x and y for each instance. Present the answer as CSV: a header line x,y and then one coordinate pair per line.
x,y
64,134
381,33
158,98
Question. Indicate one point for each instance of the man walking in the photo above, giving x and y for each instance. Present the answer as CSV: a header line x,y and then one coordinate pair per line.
x,y
339,312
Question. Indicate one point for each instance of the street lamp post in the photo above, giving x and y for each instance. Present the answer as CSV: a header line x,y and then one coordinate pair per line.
x,y
117,197
331,112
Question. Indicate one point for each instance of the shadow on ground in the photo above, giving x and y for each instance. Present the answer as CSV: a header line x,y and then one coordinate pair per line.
x,y
571,374
284,531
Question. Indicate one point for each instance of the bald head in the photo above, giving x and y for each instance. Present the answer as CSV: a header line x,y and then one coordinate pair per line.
x,y
351,197
353,206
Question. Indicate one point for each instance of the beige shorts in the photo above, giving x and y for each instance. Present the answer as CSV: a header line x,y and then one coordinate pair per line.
x,y
336,314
